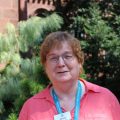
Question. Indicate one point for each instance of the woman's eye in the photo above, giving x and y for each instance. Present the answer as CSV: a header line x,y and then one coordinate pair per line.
x,y
68,56
53,58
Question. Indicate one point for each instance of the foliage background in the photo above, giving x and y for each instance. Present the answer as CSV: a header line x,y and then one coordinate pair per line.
x,y
95,23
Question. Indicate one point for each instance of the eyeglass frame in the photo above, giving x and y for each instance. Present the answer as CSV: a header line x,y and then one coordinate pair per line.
x,y
66,57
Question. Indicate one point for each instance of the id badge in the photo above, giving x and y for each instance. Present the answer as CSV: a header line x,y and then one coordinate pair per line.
x,y
63,116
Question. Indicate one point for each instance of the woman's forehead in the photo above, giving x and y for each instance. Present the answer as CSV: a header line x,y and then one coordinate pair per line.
x,y
63,46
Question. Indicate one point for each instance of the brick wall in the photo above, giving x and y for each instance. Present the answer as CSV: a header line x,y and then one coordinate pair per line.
x,y
33,6
15,10
8,12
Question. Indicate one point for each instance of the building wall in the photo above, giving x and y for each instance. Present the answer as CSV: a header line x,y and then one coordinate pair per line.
x,y
8,12
27,8
15,10
33,6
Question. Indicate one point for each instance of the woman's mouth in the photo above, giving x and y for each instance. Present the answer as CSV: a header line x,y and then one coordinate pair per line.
x,y
62,72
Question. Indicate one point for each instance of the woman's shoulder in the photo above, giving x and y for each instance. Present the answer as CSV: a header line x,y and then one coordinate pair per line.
x,y
103,92
41,96
39,102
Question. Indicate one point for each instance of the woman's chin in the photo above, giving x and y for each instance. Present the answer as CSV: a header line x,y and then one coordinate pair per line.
x,y
64,78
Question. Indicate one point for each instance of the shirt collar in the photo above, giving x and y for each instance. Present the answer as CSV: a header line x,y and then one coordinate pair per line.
x,y
45,94
90,86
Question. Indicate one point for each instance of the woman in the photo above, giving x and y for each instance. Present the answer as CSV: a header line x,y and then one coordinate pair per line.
x,y
68,97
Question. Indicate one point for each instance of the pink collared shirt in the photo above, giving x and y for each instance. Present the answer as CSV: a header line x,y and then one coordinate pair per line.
x,y
98,103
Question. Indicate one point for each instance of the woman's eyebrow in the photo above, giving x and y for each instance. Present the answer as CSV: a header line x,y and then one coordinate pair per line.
x,y
49,54
69,52
66,52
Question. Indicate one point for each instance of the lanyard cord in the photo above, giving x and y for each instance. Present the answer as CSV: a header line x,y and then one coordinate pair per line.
x,y
77,101
56,100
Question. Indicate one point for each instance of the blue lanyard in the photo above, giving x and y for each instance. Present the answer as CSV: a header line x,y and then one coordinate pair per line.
x,y
77,101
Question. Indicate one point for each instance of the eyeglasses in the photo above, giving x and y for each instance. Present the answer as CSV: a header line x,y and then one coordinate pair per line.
x,y
66,57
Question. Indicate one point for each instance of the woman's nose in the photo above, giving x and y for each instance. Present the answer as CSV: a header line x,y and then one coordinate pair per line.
x,y
61,61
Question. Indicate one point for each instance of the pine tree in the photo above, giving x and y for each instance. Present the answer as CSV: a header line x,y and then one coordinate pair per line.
x,y
22,76
100,42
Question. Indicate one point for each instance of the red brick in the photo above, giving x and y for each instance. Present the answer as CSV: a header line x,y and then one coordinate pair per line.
x,y
10,13
15,4
6,3
32,7
14,21
3,23
1,13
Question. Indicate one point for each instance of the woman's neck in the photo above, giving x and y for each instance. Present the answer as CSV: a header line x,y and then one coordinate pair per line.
x,y
66,94
65,90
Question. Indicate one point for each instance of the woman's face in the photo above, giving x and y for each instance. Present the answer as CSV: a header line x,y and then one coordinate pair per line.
x,y
61,64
